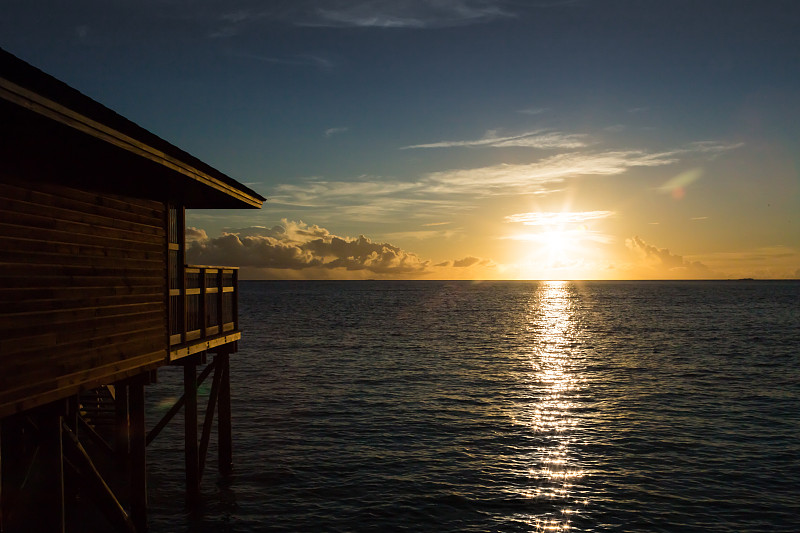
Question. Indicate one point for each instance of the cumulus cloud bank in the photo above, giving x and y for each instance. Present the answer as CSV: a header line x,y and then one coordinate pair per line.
x,y
296,246
661,259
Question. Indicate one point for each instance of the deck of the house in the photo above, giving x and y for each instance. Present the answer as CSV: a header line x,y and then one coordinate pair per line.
x,y
203,310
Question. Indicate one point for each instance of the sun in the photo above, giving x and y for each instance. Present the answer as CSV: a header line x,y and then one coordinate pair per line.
x,y
551,253
559,248
554,243
560,245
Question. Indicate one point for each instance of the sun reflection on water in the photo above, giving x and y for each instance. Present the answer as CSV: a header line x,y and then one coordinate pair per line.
x,y
554,382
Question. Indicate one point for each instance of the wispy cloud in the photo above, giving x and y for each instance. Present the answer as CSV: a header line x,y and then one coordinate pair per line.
x,y
301,60
535,177
82,32
557,218
334,131
532,139
408,14
231,23
404,13
428,196
712,148
309,192
420,235
237,16
449,188
534,110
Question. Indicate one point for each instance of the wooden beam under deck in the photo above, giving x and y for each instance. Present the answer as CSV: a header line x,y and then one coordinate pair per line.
x,y
203,345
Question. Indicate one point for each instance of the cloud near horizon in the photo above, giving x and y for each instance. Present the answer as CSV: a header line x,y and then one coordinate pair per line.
x,y
662,260
296,246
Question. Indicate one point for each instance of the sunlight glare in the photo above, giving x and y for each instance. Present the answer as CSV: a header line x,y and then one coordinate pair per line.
x,y
564,247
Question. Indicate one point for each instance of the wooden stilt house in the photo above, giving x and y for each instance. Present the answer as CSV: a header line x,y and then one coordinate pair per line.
x,y
95,296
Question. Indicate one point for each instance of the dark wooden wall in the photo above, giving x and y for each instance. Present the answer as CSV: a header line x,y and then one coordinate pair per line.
x,y
82,290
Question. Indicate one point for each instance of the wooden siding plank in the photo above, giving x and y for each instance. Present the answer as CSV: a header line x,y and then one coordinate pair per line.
x,y
86,281
83,293
26,245
55,337
11,256
44,221
15,322
150,243
24,207
82,201
73,195
81,297
39,270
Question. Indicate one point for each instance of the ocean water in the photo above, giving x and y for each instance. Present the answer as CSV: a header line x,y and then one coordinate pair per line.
x,y
503,406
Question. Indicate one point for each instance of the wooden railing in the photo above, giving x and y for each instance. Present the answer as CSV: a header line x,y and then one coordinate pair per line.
x,y
205,306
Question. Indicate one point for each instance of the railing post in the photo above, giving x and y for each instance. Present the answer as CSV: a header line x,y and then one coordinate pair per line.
x,y
220,298
185,310
203,303
235,302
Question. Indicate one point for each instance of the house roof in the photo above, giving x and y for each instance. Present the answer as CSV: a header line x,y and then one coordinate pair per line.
x,y
86,138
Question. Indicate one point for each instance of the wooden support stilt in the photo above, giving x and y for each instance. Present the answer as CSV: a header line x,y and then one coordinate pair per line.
x,y
190,431
224,419
121,425
177,407
52,509
138,458
2,501
208,420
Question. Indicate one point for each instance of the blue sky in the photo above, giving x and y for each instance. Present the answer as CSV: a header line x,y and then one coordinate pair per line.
x,y
462,138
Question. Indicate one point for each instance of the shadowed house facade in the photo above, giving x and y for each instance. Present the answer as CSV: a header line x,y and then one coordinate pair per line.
x,y
96,296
